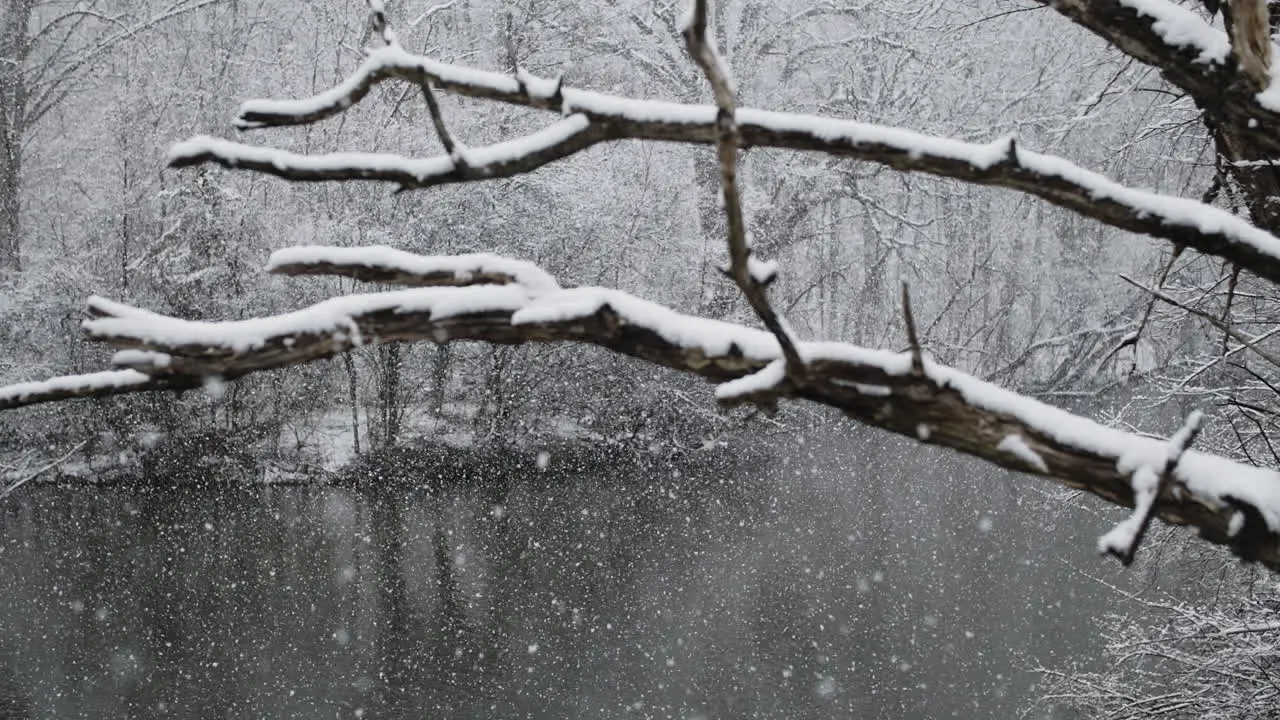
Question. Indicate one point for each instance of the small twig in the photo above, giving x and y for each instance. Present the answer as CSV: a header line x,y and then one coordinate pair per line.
x,y
1133,338
917,355
1235,334
442,130
708,59
32,476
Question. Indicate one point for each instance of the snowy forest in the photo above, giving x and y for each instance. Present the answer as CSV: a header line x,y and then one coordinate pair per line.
x,y
414,304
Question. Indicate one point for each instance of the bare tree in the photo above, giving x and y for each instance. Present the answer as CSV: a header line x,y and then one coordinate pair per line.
x,y
500,300
45,47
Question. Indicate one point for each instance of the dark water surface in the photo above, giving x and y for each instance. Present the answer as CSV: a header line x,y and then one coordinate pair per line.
x,y
832,581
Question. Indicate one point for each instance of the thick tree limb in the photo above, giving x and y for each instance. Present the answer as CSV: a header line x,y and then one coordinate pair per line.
x,y
1189,53
1229,503
595,118
1229,75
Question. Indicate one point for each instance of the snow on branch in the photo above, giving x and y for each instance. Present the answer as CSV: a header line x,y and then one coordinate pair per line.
x,y
1123,540
1231,504
505,159
595,117
98,384
1231,75
396,267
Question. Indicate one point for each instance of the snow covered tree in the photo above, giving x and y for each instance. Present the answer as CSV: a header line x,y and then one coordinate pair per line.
x,y
1227,76
1214,657
45,49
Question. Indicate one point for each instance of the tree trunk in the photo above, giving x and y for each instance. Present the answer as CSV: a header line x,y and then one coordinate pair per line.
x,y
349,365
391,400
13,101
440,379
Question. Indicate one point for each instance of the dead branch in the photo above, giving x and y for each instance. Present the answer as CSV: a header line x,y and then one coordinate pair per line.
x,y
1230,504
913,340
713,66
594,118
1236,335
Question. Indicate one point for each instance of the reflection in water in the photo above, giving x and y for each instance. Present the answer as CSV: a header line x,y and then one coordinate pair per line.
x,y
823,585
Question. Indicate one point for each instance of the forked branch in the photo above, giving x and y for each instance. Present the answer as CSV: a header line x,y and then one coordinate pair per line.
x,y
594,118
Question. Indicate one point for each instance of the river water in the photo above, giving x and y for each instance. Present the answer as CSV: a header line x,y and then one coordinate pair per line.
x,y
842,575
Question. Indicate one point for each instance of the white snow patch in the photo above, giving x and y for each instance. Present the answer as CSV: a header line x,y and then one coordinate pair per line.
x,y
1017,446
19,392
216,386
1120,538
762,380
872,390
139,359
331,316
762,271
532,277
1236,524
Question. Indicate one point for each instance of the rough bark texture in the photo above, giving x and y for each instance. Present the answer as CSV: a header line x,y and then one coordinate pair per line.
x,y
907,403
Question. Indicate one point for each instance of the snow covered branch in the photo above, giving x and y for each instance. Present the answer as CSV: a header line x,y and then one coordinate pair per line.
x,y
397,267
594,117
1212,67
1229,503
98,384
1230,76
506,159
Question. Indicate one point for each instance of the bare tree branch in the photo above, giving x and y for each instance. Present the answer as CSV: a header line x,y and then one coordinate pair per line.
x,y
1230,504
741,266
1238,336
1002,163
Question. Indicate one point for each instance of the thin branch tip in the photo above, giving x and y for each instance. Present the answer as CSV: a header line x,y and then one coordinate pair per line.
x,y
913,340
